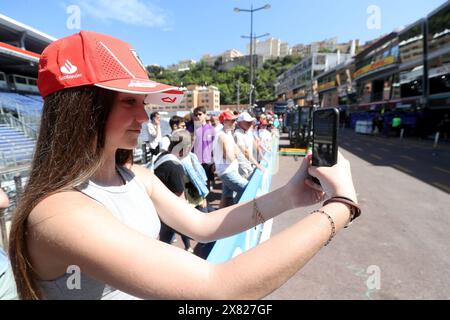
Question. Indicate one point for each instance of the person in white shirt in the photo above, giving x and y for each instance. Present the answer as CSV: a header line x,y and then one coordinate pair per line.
x,y
225,152
175,123
245,141
265,136
154,133
216,123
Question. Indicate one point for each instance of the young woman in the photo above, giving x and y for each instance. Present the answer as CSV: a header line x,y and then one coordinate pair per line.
x,y
88,211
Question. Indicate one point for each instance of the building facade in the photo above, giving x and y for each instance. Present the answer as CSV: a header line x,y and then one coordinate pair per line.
x,y
182,65
300,82
376,72
336,87
227,56
194,96
270,48
258,62
201,96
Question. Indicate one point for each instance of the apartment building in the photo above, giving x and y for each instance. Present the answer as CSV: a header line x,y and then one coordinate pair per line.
x,y
224,57
201,96
182,65
300,84
270,48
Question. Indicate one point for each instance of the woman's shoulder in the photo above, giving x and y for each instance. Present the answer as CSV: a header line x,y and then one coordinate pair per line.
x,y
53,224
63,202
144,175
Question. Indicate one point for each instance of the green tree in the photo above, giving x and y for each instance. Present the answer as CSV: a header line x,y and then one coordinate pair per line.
x,y
226,81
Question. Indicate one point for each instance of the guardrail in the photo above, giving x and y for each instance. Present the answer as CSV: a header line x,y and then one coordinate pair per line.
x,y
19,125
259,184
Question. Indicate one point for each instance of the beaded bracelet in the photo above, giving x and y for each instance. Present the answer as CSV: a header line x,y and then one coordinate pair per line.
x,y
333,226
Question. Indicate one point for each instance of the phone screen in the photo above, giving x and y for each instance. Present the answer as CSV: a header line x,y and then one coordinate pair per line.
x,y
324,148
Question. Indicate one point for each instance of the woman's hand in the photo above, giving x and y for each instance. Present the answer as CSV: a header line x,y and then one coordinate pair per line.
x,y
335,180
303,192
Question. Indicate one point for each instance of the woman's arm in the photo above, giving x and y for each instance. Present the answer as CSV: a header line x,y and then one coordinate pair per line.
x,y
85,234
230,220
216,225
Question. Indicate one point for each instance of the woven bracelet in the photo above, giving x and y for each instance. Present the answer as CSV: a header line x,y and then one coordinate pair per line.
x,y
259,219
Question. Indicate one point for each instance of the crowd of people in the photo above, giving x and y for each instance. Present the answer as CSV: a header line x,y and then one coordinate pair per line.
x,y
201,147
229,146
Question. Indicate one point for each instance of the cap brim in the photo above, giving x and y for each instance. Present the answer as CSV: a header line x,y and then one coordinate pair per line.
x,y
223,119
246,120
157,93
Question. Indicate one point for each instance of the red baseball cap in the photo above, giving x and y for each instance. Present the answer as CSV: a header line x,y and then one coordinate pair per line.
x,y
227,115
91,58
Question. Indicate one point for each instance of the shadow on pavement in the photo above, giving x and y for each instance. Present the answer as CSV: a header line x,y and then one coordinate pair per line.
x,y
412,156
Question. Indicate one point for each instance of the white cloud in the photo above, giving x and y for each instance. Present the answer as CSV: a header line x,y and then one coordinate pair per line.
x,y
134,12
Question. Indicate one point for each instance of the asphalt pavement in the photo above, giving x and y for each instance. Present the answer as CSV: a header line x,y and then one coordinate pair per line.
x,y
400,247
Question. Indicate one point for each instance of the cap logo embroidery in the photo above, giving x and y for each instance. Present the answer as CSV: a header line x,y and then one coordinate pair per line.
x,y
68,68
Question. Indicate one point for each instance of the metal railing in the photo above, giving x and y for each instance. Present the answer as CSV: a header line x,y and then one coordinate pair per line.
x,y
18,156
9,119
31,118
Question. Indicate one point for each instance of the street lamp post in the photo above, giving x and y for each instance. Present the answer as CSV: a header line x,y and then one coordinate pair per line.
x,y
238,86
251,10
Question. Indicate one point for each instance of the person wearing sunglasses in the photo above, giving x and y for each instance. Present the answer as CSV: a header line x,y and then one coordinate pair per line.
x,y
203,142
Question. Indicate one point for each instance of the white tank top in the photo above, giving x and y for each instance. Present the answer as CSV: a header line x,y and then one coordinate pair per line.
x,y
132,206
224,165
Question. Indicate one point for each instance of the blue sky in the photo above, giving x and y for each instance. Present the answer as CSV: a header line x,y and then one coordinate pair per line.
x,y
166,31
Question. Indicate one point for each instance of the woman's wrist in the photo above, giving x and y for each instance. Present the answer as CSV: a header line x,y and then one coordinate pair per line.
x,y
350,194
339,212
290,197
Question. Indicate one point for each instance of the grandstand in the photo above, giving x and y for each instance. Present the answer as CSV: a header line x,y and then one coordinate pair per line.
x,y
20,105
20,102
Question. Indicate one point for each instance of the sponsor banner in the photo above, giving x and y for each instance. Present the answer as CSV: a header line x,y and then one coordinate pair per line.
x,y
327,85
375,65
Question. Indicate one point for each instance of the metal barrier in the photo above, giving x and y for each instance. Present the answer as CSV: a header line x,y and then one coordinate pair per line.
x,y
259,184
20,155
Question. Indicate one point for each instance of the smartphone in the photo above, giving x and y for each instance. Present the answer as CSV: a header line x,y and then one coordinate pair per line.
x,y
324,142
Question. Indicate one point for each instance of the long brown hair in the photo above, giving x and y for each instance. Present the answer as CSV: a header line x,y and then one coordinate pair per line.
x,y
72,120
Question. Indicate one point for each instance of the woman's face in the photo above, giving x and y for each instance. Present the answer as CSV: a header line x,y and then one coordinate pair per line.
x,y
125,121
229,125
